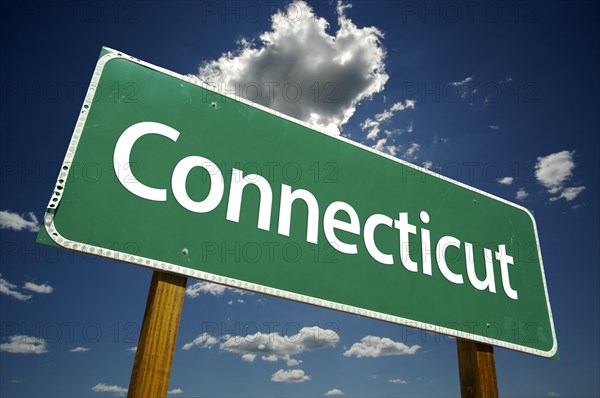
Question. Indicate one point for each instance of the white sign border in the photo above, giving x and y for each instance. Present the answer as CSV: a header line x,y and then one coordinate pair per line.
x,y
238,284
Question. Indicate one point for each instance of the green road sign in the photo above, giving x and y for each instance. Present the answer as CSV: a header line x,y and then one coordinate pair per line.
x,y
164,172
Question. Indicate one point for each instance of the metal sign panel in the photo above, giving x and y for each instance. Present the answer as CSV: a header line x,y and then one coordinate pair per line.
x,y
165,172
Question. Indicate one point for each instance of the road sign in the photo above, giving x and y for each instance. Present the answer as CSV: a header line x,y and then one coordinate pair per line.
x,y
165,172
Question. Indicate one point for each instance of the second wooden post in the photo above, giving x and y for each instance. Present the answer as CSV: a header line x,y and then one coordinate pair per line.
x,y
156,346
477,370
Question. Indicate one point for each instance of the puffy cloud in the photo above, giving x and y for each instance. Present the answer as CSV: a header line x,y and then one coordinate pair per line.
x,y
320,83
554,170
80,349
372,126
248,357
289,376
10,290
175,391
389,149
17,222
569,194
335,392
101,387
41,289
522,194
271,347
204,340
495,127
374,347
411,152
397,381
21,344
428,164
506,180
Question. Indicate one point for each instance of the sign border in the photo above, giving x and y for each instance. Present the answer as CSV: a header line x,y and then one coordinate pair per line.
x,y
110,54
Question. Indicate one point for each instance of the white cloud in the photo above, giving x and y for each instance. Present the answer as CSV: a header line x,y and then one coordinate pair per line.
x,y
21,344
270,347
301,70
289,376
568,194
398,106
553,394
389,149
10,290
273,347
335,392
204,340
196,289
199,288
411,152
508,79
554,170
374,126
506,180
248,357
463,81
522,194
80,349
41,289
293,362
374,347
16,222
175,391
101,387
428,164
397,381
495,127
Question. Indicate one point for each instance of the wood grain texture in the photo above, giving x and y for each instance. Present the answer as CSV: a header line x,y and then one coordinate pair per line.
x,y
477,370
156,346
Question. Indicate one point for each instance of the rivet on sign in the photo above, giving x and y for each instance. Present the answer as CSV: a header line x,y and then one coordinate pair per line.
x,y
185,251
213,105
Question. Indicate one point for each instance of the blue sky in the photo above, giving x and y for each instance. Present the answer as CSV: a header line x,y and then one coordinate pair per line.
x,y
502,97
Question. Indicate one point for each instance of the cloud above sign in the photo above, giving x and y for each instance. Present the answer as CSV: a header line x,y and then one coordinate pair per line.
x,y
554,171
301,70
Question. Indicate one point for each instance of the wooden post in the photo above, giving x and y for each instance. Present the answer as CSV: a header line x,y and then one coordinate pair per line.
x,y
477,370
156,346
